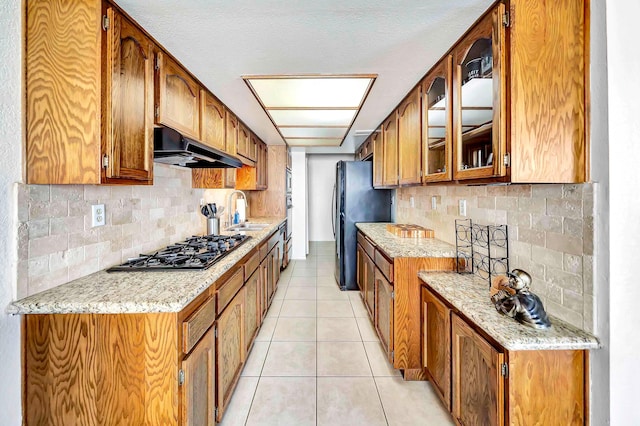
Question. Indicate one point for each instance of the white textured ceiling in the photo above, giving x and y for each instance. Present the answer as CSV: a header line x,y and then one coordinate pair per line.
x,y
220,41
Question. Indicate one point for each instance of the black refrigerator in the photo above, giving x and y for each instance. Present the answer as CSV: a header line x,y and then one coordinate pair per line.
x,y
355,200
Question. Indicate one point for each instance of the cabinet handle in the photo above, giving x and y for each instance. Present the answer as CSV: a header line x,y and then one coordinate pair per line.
x,y
184,80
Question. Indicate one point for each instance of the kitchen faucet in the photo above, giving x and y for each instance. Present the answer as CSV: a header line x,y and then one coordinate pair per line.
x,y
230,211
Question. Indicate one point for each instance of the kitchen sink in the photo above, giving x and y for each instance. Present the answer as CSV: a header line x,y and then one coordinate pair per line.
x,y
248,227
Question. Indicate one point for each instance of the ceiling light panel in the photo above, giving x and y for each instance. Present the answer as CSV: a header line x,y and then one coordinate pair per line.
x,y
311,110
313,132
312,117
311,92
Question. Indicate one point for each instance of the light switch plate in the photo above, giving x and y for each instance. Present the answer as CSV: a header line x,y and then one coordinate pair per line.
x,y
434,202
462,207
412,202
98,215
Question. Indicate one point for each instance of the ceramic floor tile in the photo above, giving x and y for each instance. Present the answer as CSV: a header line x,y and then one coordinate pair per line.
x,y
338,330
331,293
380,365
334,308
284,401
348,401
298,308
274,309
367,331
411,403
302,281
255,360
328,281
359,310
238,409
266,330
301,293
342,359
295,330
290,359
280,292
304,272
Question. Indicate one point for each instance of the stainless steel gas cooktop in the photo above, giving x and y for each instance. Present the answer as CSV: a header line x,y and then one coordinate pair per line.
x,y
195,253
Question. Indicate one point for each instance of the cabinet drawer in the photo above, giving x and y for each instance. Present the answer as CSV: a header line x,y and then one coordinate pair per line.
x,y
229,289
264,250
384,265
251,265
366,245
273,241
194,327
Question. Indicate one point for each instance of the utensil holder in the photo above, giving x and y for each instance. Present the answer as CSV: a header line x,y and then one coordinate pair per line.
x,y
213,226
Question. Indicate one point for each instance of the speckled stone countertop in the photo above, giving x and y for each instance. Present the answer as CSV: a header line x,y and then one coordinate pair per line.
x,y
137,292
405,247
470,295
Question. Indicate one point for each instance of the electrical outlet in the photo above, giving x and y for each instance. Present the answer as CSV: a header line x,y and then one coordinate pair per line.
x,y
462,207
434,203
201,202
393,199
98,215
412,202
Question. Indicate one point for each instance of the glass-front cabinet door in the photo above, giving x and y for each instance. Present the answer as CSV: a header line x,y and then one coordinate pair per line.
x,y
436,123
479,105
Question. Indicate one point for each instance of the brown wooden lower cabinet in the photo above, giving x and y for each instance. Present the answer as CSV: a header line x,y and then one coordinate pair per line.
x,y
199,369
490,385
384,313
436,344
176,368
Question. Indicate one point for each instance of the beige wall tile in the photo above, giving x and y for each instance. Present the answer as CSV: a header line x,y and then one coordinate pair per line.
x,y
565,208
564,243
547,257
546,223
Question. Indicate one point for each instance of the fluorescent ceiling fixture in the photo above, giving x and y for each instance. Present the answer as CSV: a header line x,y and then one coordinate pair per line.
x,y
313,142
313,132
316,108
315,117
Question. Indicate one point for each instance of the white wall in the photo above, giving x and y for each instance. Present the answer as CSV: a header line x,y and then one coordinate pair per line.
x,y
624,208
10,173
299,240
322,178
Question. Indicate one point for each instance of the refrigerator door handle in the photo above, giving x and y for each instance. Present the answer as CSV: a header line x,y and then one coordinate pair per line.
x,y
333,212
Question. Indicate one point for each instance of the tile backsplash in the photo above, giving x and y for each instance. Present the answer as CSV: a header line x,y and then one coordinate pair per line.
x,y
57,243
550,234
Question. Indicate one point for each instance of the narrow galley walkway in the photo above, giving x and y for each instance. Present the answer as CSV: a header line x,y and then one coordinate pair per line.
x,y
317,360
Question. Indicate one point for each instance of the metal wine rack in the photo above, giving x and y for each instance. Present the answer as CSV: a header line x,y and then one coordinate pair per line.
x,y
481,249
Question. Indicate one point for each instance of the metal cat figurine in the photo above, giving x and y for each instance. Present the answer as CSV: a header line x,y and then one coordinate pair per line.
x,y
512,298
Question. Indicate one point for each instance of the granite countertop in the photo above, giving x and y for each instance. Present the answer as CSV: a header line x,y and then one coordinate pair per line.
x,y
469,294
405,247
137,292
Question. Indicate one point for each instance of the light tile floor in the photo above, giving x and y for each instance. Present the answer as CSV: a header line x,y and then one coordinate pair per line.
x,y
318,361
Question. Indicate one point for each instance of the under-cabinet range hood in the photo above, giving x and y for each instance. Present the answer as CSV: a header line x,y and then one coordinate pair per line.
x,y
170,147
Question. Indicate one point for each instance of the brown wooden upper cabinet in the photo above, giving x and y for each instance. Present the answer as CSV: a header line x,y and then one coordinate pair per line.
x,y
177,97
91,121
251,178
245,145
378,157
538,135
479,100
409,140
231,129
212,121
390,150
436,123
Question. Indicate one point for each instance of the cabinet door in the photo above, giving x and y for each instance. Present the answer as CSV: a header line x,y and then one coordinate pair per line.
x,y
478,386
128,98
198,402
360,269
436,344
231,131
264,286
378,158
436,123
244,141
230,351
212,121
390,138
370,287
409,139
178,98
253,147
384,312
252,317
479,98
